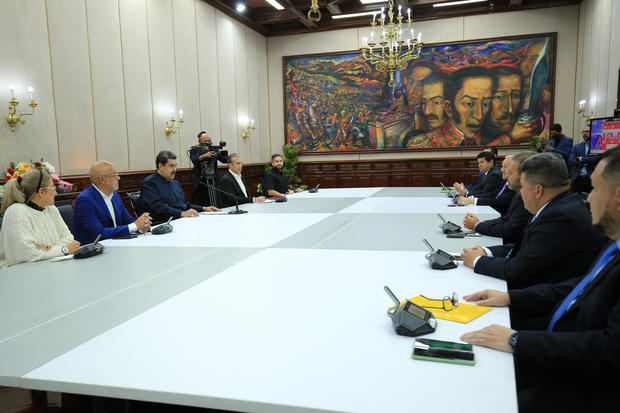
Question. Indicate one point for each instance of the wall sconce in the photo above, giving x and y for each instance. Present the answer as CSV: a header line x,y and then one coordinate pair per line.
x,y
12,118
170,128
581,109
247,132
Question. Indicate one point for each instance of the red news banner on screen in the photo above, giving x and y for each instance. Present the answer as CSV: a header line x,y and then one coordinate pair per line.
x,y
610,134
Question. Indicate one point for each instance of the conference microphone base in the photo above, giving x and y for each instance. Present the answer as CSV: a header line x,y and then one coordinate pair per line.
x,y
238,211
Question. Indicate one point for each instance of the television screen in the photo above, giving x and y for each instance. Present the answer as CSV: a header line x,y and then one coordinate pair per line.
x,y
605,134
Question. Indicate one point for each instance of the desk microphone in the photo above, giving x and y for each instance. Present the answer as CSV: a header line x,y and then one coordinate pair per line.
x,y
90,250
449,227
164,228
237,210
315,189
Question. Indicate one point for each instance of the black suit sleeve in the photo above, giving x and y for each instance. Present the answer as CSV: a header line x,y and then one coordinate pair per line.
x,y
491,186
229,185
509,227
499,203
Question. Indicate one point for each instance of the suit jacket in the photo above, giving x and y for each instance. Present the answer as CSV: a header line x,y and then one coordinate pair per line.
x,y
230,184
491,185
477,182
563,147
91,217
509,226
569,361
589,162
499,202
559,244
164,199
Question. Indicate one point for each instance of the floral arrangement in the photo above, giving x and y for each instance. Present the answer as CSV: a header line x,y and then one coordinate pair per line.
x,y
16,169
542,140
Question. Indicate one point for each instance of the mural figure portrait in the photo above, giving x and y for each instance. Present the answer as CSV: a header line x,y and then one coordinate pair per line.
x,y
483,93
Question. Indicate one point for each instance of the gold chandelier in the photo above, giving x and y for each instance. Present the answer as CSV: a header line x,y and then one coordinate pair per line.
x,y
390,51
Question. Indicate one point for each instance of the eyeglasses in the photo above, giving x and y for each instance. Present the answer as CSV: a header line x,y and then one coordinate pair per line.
x,y
447,303
114,175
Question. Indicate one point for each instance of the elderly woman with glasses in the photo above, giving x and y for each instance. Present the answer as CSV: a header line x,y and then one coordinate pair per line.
x,y
32,228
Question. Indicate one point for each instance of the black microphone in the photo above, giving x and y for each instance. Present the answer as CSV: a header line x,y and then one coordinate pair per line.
x,y
90,250
237,210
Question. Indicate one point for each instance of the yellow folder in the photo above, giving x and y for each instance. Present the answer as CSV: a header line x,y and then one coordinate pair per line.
x,y
463,313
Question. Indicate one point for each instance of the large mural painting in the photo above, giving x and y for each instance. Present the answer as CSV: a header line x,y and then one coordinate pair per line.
x,y
478,93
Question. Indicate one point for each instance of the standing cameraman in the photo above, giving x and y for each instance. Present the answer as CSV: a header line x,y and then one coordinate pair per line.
x,y
205,170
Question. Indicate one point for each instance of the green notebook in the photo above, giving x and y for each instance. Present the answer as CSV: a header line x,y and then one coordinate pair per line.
x,y
443,351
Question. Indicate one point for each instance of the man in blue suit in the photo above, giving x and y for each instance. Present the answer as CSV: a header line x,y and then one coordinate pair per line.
x,y
573,329
99,210
582,163
558,243
558,142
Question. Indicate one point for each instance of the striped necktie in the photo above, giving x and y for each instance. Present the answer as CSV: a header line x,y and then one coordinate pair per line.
x,y
570,298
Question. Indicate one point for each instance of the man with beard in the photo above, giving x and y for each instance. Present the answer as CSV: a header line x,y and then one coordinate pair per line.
x,y
582,163
162,195
564,335
501,127
275,182
468,95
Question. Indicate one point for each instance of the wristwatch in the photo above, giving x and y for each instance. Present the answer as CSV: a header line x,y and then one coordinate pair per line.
x,y
65,250
512,340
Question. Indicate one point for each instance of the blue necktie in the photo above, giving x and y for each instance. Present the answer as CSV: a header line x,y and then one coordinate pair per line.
x,y
510,252
503,189
603,261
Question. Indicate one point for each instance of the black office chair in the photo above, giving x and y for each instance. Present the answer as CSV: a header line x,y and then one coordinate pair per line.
x,y
65,207
136,203
0,221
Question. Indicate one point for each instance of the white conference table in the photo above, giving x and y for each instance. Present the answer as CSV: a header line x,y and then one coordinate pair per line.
x,y
280,309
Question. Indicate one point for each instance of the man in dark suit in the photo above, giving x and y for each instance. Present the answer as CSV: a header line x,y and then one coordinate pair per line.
x,y
493,177
558,243
558,142
510,225
568,358
99,210
501,200
233,183
582,163
163,196
481,176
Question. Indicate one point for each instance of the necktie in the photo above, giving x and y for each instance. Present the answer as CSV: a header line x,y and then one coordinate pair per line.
x,y
511,249
503,189
570,298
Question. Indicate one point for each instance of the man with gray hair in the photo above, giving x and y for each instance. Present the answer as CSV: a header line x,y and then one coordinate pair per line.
x,y
233,183
559,241
510,225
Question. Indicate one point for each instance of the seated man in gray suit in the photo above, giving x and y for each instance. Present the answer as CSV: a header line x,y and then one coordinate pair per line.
x,y
233,183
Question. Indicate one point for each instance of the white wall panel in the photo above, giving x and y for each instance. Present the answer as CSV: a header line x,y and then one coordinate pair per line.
x,y
226,79
262,145
252,146
241,90
23,34
208,78
106,62
186,75
72,84
163,83
137,84
614,59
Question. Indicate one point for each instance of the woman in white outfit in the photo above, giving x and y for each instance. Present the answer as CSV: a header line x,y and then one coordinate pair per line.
x,y
32,228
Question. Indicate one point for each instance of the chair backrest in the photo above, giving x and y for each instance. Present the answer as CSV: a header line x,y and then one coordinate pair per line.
x,y
65,207
0,221
134,198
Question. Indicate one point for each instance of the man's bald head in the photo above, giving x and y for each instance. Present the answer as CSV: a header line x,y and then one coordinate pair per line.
x,y
103,175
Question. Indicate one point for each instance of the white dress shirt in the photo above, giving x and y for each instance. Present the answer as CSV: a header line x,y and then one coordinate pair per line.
x,y
240,182
108,202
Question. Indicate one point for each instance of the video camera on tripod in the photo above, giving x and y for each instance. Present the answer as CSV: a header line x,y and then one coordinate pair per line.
x,y
220,154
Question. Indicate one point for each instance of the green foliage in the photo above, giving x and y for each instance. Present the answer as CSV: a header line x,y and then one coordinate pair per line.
x,y
542,140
